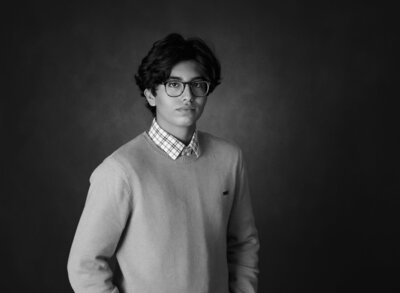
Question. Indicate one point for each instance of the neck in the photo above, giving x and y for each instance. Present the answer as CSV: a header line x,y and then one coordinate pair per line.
x,y
184,134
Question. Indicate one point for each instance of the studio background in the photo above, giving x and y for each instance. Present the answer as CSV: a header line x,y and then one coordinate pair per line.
x,y
301,90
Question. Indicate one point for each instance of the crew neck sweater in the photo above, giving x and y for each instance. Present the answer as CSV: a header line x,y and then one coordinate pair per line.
x,y
174,226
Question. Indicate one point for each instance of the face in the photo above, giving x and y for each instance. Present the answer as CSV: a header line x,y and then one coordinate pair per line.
x,y
176,114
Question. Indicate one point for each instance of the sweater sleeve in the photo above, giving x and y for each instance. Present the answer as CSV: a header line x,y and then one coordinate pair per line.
x,y
103,219
243,242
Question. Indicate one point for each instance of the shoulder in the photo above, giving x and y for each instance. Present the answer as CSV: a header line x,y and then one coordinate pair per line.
x,y
210,143
121,160
135,145
210,140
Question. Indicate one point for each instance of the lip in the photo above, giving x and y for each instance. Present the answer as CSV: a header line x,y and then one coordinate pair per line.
x,y
185,109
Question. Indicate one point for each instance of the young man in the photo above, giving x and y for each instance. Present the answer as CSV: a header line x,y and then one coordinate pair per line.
x,y
172,204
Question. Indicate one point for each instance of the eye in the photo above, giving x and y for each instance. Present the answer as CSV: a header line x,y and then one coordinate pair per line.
x,y
198,84
173,84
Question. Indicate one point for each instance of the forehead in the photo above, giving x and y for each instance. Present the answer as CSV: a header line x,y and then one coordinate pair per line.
x,y
186,70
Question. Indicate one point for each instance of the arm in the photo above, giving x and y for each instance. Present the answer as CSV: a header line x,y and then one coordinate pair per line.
x,y
103,219
243,243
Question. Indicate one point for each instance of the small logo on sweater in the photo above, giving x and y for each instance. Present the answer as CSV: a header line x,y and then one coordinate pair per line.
x,y
225,193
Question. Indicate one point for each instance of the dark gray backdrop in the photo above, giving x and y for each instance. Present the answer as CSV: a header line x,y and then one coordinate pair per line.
x,y
301,93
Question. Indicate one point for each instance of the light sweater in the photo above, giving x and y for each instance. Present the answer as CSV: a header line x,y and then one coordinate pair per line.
x,y
175,226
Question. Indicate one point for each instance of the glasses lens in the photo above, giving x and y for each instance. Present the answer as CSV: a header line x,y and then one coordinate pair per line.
x,y
199,88
174,88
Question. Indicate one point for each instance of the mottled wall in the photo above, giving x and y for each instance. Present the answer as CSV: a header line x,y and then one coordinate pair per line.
x,y
299,94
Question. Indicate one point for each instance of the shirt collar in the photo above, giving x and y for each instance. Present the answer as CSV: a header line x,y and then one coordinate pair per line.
x,y
170,144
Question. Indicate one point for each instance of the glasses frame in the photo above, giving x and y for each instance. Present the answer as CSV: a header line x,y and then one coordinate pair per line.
x,y
184,87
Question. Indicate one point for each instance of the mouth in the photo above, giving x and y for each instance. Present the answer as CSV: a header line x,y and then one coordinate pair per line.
x,y
184,109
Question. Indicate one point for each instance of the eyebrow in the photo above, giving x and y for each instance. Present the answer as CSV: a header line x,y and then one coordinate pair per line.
x,y
180,79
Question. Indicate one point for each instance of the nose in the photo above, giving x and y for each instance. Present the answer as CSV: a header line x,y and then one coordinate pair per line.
x,y
187,94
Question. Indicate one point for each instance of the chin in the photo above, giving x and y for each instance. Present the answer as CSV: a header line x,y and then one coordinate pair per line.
x,y
186,121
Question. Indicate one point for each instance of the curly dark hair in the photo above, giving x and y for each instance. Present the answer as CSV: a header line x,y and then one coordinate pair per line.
x,y
166,53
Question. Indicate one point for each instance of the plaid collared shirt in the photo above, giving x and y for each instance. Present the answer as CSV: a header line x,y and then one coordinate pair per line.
x,y
171,145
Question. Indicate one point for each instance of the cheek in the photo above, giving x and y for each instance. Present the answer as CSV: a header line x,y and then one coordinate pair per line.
x,y
165,104
201,103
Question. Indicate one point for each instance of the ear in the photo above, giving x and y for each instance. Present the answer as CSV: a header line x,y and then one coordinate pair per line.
x,y
150,97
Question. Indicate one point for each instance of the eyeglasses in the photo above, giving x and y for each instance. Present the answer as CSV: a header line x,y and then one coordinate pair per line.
x,y
198,88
